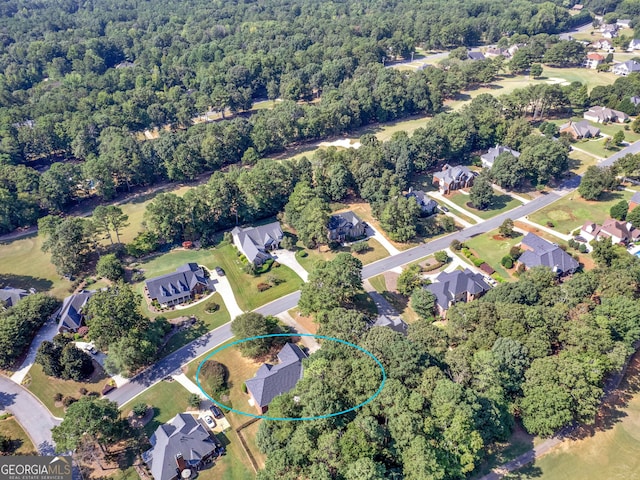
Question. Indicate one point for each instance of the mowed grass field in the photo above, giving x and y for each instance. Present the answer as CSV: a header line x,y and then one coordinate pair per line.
x,y
376,252
572,211
502,203
21,443
491,250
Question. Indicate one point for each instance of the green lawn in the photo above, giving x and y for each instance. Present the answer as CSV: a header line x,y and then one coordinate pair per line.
x,y
580,161
376,252
492,250
502,203
167,399
45,387
21,443
572,211
245,285
25,265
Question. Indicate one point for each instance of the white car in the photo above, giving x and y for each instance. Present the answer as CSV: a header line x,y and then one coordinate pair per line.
x,y
209,421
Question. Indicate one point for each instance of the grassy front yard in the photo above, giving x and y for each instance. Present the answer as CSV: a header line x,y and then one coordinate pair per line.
x,y
491,250
502,203
45,387
580,161
376,252
572,211
21,443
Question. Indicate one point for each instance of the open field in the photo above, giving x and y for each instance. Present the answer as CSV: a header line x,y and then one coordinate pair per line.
x,y
375,252
21,443
572,211
491,250
25,265
502,203
45,387
580,161
167,400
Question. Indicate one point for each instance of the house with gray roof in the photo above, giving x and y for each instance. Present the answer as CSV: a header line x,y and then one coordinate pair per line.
x,y
539,252
178,287
457,286
427,205
393,322
345,226
635,100
493,153
256,242
580,129
475,55
178,445
9,296
72,313
634,201
625,68
273,380
453,178
603,115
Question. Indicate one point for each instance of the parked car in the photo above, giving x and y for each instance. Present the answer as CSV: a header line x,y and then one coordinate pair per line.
x,y
91,349
444,209
216,411
211,423
220,271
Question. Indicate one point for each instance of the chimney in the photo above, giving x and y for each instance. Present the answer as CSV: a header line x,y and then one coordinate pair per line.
x,y
410,189
181,462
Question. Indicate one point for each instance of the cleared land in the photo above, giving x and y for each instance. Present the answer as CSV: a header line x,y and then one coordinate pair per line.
x,y
572,211
375,252
21,443
45,387
501,203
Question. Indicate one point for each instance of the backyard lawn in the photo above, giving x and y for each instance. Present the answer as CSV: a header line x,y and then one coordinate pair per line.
x,y
572,211
502,203
25,265
45,387
21,443
492,250
376,252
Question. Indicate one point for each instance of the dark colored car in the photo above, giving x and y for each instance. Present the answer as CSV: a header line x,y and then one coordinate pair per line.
x,y
216,411
444,209
220,271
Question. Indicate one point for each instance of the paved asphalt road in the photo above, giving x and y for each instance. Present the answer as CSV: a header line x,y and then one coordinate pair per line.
x,y
30,413
633,148
174,361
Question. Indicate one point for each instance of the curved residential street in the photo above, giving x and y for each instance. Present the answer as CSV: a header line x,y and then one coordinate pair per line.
x,y
32,415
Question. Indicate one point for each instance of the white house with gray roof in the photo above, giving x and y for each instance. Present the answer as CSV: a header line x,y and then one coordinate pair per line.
x,y
178,287
493,153
457,286
539,252
178,445
453,178
625,68
72,313
256,242
10,296
273,380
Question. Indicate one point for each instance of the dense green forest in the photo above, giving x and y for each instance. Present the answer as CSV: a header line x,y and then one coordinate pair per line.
x,y
537,349
78,81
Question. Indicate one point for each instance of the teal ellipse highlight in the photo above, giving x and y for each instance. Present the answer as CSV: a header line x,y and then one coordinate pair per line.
x,y
294,419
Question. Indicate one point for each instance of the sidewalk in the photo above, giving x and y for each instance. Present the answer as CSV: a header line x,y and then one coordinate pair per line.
x,y
442,198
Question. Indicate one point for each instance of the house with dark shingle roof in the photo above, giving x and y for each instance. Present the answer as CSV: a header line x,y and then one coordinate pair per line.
x,y
345,226
9,296
540,252
273,380
493,153
256,242
453,178
427,205
457,286
393,322
72,314
475,55
180,444
178,287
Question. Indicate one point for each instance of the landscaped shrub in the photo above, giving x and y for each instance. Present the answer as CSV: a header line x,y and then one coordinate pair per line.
x,y
57,397
582,248
573,243
359,247
507,262
66,401
263,286
227,237
244,388
276,264
211,307
214,376
194,400
273,280
441,256
288,243
83,391
576,232
550,224
477,261
515,252
430,268
303,254
521,268
456,245
140,409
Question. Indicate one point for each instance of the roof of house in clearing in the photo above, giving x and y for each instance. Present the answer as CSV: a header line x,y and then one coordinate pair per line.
x,y
172,286
635,198
493,153
71,311
544,253
475,55
423,199
605,114
595,56
449,285
631,65
341,220
581,128
11,295
273,380
393,322
451,174
181,435
255,240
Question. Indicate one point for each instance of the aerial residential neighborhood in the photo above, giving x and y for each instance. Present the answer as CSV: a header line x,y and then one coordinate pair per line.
x,y
243,241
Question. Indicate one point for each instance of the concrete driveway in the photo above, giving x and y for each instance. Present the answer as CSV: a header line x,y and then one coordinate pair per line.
x,y
372,232
223,287
288,258
34,417
47,332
